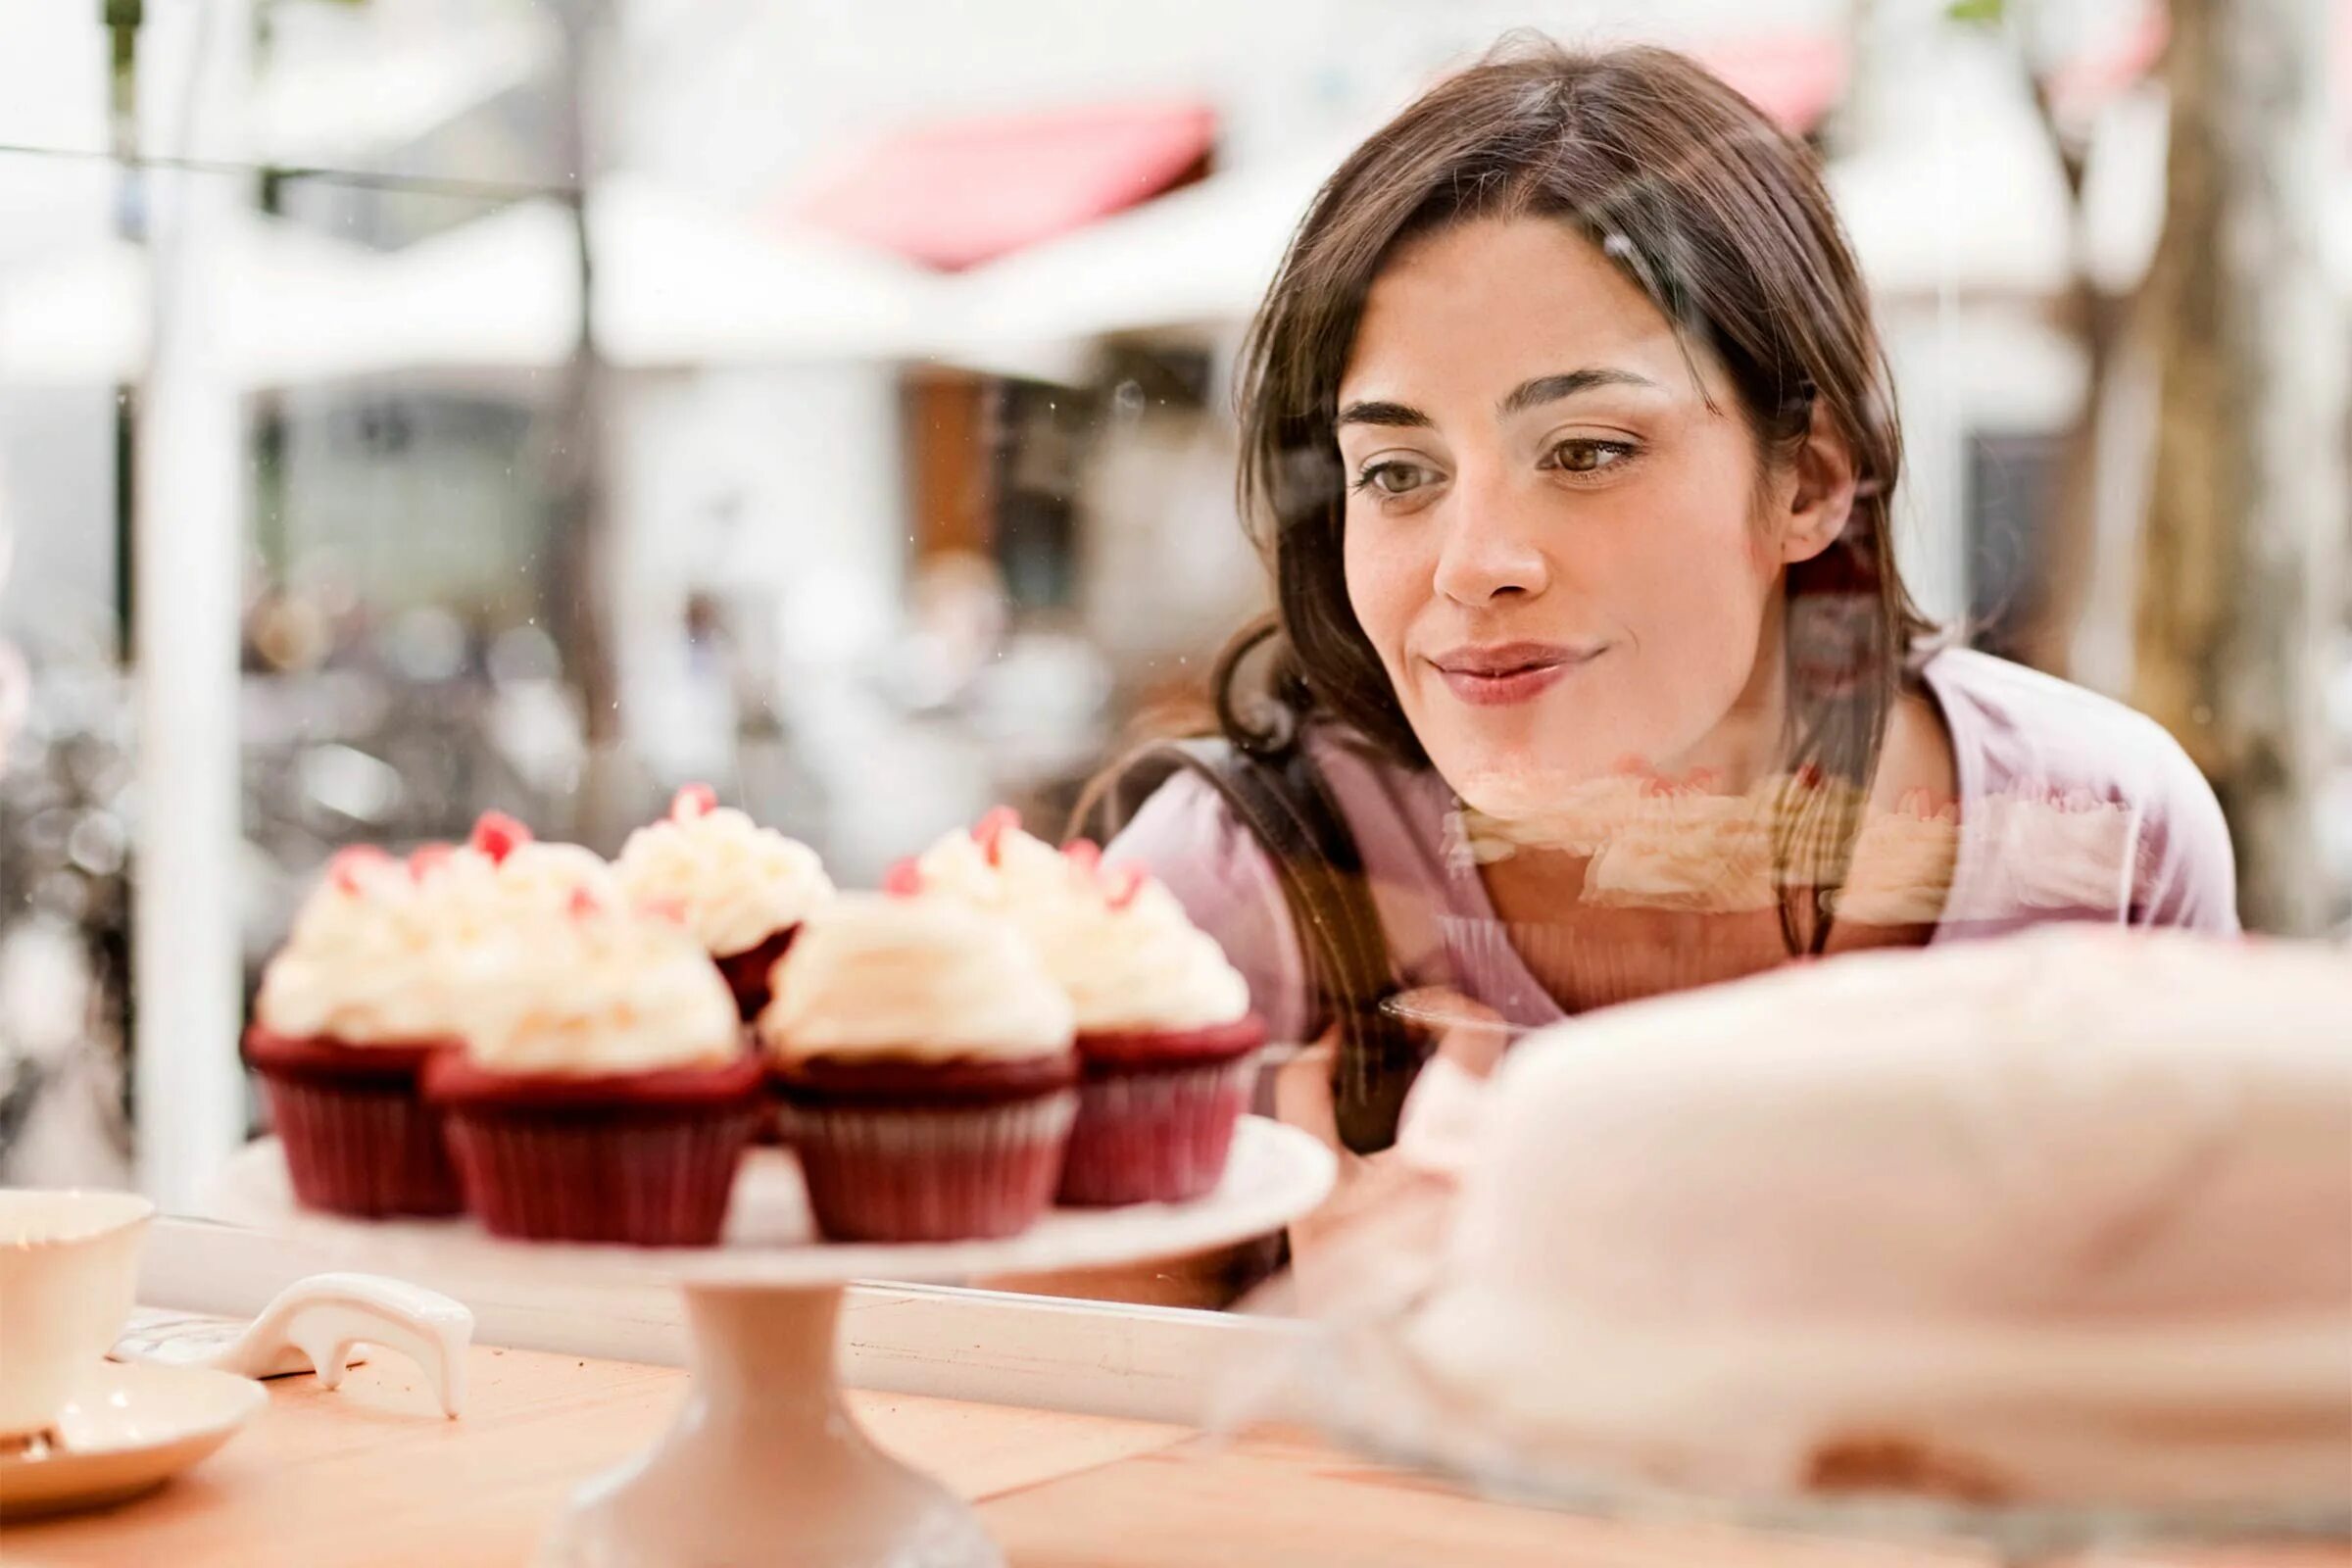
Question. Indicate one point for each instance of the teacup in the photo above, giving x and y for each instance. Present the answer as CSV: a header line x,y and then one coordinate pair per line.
x,y
68,1270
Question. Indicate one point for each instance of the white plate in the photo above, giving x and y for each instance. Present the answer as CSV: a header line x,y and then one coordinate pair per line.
x,y
127,1429
1276,1173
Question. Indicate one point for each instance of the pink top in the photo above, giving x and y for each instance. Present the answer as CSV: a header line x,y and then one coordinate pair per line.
x,y
2142,843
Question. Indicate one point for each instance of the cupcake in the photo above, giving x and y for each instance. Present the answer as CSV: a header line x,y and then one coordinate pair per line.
x,y
599,1092
1580,823
1902,866
921,1060
502,872
365,990
741,889
2054,853
1166,1043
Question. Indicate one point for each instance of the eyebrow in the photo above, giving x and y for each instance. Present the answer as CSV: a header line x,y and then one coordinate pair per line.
x,y
1390,414
1527,395
1551,388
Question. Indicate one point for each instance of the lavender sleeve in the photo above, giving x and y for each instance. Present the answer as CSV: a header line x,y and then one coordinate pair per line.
x,y
1186,836
2027,737
2187,870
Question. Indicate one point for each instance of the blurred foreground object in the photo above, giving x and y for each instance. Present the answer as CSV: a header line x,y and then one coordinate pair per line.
x,y
2062,1220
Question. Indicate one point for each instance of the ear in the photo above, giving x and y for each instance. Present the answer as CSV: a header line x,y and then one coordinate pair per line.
x,y
1818,492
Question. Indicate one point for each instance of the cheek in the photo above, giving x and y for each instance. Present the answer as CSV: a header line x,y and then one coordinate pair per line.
x,y
1699,593
1670,539
1690,579
1383,573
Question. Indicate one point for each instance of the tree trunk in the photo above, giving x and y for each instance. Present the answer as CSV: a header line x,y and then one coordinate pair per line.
x,y
2241,591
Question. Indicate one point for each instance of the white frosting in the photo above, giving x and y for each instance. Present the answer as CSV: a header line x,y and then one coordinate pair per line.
x,y
1021,866
925,978
736,882
2041,853
480,899
1686,849
1143,967
372,960
1117,942
2038,1202
540,875
1902,866
1585,818
603,991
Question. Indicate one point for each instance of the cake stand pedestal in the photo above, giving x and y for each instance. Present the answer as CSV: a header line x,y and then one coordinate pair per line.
x,y
764,1462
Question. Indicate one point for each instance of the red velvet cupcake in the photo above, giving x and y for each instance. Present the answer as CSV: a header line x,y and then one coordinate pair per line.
x,y
604,1095
742,889
1166,1043
920,1062
362,995
1157,1111
359,1138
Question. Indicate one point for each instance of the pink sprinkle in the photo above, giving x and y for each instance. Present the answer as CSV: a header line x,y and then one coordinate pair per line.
x,y
1084,854
427,859
352,862
671,909
1121,884
902,880
584,903
693,801
497,835
988,832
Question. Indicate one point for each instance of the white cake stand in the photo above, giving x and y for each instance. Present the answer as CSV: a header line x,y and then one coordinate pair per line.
x,y
765,1463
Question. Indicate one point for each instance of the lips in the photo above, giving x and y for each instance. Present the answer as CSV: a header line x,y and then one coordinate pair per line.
x,y
1503,673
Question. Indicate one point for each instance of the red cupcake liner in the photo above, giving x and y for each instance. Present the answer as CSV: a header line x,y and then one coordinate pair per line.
x,y
1153,1137
941,1172
358,1136
1157,1111
642,1159
748,973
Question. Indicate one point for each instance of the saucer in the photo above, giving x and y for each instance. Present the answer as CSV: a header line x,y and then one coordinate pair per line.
x,y
125,1430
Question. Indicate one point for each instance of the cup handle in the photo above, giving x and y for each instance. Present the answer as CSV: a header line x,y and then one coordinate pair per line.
x,y
317,1324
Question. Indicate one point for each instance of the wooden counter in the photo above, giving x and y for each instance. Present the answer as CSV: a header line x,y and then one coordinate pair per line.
x,y
371,1477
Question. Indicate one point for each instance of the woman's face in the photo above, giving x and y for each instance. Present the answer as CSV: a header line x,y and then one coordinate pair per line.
x,y
1561,553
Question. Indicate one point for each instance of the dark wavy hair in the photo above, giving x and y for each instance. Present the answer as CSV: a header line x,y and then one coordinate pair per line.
x,y
1722,221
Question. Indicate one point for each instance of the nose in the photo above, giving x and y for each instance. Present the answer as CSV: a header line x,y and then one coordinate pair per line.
x,y
1488,551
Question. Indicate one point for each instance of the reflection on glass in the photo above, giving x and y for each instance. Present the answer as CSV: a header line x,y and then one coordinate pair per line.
x,y
599,442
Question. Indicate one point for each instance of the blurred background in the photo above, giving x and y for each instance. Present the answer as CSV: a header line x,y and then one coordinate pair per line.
x,y
415,407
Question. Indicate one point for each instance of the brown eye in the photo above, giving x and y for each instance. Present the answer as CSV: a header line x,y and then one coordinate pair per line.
x,y
1590,457
1392,479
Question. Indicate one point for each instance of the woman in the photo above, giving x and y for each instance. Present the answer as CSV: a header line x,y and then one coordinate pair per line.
x,y
1573,445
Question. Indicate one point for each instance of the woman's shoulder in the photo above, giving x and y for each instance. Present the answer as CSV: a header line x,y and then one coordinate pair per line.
x,y
2037,728
2020,735
1388,810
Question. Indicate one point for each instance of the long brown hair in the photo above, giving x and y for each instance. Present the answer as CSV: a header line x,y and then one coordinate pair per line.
x,y
1723,223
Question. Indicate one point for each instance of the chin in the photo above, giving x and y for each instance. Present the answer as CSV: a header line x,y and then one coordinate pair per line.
x,y
1511,784
1515,770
